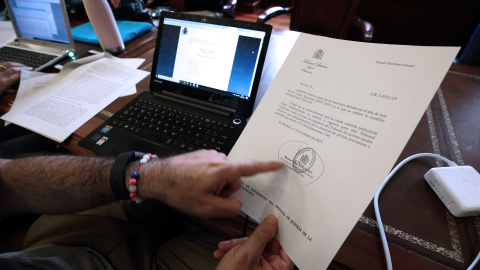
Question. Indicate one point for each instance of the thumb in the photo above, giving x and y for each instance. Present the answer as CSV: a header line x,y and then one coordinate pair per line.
x,y
264,232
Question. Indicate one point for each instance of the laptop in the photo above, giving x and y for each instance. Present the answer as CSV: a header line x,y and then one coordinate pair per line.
x,y
204,80
43,33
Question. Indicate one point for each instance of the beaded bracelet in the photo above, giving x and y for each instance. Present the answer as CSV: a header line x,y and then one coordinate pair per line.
x,y
135,176
117,174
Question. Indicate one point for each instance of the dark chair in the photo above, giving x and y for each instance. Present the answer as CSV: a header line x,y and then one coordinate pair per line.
x,y
330,18
217,8
471,53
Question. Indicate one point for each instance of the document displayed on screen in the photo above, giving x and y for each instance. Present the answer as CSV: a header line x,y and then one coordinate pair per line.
x,y
41,20
338,114
204,57
193,53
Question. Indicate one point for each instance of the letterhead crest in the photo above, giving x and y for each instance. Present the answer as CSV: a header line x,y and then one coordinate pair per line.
x,y
318,54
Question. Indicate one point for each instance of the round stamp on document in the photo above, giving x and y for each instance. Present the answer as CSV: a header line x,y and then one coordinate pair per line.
x,y
304,160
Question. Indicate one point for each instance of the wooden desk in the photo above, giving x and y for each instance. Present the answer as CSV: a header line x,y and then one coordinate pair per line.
x,y
421,233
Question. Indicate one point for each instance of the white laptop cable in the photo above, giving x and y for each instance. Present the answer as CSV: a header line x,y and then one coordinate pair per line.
x,y
377,211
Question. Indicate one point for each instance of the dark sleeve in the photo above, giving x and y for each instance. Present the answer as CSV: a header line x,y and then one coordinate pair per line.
x,y
54,257
11,264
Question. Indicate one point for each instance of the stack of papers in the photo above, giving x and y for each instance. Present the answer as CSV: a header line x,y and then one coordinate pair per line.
x,y
55,105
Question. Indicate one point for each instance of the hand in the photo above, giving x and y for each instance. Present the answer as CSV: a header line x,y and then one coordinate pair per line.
x,y
199,183
10,74
260,251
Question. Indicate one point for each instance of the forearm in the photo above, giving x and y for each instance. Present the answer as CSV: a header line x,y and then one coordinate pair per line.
x,y
54,184
198,183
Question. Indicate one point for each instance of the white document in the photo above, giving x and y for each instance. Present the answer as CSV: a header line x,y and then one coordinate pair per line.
x,y
338,114
30,82
129,62
57,109
7,33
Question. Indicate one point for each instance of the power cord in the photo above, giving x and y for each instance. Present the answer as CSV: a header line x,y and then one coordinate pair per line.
x,y
377,210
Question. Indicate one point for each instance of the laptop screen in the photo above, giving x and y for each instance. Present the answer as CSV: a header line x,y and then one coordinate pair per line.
x,y
41,20
220,56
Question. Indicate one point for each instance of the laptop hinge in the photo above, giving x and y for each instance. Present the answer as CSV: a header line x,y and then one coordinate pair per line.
x,y
196,104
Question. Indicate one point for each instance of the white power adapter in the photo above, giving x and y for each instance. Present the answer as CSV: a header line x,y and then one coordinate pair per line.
x,y
458,187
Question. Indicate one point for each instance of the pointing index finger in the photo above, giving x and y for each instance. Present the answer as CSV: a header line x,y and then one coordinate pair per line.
x,y
250,168
236,170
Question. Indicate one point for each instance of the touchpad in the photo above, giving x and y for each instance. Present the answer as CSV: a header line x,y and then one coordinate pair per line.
x,y
140,145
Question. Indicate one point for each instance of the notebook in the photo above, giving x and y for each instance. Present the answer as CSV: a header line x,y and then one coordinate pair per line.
x,y
43,33
204,80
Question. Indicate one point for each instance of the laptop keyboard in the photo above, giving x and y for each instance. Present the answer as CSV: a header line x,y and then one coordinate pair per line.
x,y
178,129
28,58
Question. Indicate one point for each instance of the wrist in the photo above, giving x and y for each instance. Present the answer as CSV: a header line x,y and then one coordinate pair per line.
x,y
151,183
